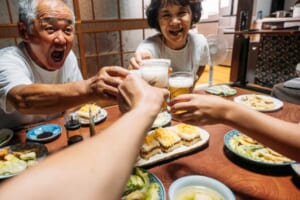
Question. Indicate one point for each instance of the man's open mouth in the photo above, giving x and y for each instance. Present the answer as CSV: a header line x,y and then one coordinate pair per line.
x,y
57,56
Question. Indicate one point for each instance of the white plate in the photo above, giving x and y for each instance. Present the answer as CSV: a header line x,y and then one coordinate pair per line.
x,y
41,153
162,119
204,181
5,135
182,150
100,117
277,103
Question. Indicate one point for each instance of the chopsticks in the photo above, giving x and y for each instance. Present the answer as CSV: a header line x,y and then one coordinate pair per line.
x,y
92,123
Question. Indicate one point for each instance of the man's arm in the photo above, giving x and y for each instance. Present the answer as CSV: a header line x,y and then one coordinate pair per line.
x,y
53,98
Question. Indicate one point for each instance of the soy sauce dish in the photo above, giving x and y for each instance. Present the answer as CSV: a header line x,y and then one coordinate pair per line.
x,y
199,187
44,133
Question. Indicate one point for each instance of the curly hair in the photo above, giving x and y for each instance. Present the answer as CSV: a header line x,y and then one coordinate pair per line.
x,y
155,5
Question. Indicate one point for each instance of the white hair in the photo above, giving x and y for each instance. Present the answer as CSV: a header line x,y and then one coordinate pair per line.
x,y
28,11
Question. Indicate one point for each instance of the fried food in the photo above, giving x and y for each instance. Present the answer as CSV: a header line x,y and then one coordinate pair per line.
x,y
167,139
150,147
189,134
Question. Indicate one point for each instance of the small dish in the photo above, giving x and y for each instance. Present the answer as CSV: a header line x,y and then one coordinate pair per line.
x,y
98,118
214,186
44,133
5,136
163,119
227,138
223,90
16,167
256,102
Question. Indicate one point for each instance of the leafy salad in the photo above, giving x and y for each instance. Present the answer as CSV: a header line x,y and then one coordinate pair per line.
x,y
139,187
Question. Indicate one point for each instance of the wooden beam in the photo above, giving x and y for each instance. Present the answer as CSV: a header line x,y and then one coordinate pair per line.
x,y
8,31
113,25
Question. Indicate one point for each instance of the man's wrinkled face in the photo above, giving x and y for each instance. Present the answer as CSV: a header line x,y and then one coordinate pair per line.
x,y
175,22
52,37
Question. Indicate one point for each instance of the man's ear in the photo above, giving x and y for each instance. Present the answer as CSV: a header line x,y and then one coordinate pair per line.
x,y
23,31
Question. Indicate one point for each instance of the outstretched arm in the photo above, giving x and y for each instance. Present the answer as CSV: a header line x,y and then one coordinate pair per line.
x,y
277,134
99,167
49,98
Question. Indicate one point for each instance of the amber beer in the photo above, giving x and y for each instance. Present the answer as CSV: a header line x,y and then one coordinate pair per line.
x,y
180,83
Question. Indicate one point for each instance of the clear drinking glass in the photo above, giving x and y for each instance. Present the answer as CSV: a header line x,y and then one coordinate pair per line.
x,y
181,82
156,73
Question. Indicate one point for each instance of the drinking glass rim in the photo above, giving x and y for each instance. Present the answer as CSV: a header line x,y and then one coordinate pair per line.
x,y
157,60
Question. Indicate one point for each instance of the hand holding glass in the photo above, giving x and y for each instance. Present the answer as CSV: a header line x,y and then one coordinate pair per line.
x,y
156,73
180,83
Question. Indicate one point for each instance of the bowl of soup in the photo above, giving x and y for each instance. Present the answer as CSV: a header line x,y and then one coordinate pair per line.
x,y
195,187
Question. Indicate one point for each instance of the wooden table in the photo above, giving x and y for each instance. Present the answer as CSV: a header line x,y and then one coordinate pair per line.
x,y
246,181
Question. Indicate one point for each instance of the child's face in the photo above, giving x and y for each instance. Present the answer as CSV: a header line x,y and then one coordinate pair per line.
x,y
175,22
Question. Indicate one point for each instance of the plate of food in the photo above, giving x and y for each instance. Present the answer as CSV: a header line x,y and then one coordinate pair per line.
x,y
16,158
5,136
250,150
44,133
258,102
162,119
143,185
98,113
222,90
170,142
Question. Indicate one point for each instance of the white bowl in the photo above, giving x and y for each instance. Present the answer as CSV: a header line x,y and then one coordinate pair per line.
x,y
196,180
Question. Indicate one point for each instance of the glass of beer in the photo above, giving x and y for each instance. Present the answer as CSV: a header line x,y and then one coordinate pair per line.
x,y
156,73
181,83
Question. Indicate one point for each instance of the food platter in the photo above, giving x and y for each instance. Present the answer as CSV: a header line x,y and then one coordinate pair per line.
x,y
99,116
248,157
222,90
5,136
151,180
162,119
177,152
11,169
44,133
261,103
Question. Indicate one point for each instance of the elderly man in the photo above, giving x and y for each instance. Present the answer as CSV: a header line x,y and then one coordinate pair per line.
x,y
40,77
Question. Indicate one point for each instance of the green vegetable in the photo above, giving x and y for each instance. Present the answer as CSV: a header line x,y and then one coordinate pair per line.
x,y
139,187
135,182
143,175
136,195
152,192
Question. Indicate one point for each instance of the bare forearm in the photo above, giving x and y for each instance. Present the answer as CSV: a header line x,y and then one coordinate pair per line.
x,y
274,133
45,98
95,169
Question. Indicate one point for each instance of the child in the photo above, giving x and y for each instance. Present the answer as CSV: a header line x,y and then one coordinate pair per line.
x,y
173,19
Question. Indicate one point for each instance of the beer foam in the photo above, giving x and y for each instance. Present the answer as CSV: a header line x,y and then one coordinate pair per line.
x,y
157,74
181,82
